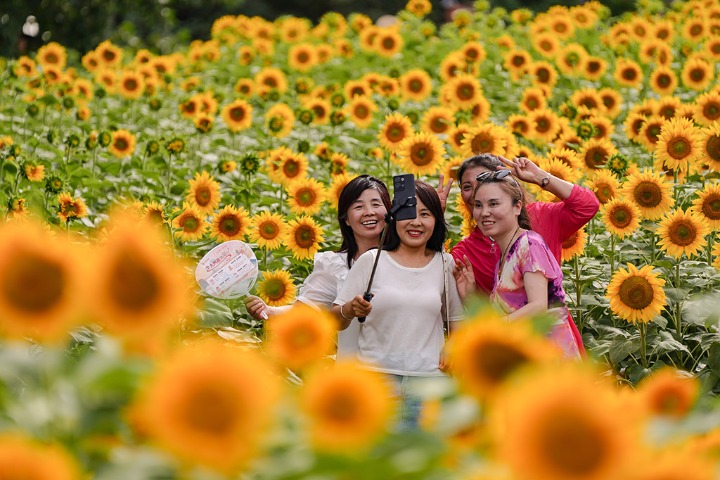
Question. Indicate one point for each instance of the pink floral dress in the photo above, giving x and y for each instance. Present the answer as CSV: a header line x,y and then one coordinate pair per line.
x,y
530,253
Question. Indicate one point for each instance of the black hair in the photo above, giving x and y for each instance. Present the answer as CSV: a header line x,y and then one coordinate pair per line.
x,y
350,193
429,197
487,160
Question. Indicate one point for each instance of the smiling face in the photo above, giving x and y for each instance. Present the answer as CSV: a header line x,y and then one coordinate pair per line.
x,y
416,232
366,215
494,210
468,183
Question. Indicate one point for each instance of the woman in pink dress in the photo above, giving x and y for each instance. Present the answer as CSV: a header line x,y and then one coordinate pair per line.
x,y
528,277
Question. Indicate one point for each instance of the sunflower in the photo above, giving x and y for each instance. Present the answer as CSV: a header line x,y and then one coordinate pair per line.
x,y
301,337
204,193
518,124
487,351
122,144
361,110
230,223
485,138
712,47
52,54
53,268
516,62
357,88
271,78
663,80
603,127
437,120
697,73
291,167
679,144
339,162
682,233
280,120
594,68
689,462
388,42
348,407
604,184
21,457
108,54
267,230
419,8
306,196
131,84
69,207
25,67
571,59
574,245
707,108
636,295
545,124
650,193
533,98
711,146
303,237
421,154
621,217
627,72
190,223
587,97
154,213
245,87
237,115
276,288
546,44
396,128
707,205
139,288
668,107
649,133
463,91
595,152
543,74
211,405
34,172
561,423
302,57
694,29
203,122
669,393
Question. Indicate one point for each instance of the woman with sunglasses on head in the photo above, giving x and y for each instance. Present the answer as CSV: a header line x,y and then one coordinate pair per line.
x,y
362,206
555,222
402,335
528,278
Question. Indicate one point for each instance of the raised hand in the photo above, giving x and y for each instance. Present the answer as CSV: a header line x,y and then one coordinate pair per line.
x,y
443,190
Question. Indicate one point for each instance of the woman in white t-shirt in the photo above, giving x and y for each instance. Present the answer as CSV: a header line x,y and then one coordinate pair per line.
x,y
362,206
402,335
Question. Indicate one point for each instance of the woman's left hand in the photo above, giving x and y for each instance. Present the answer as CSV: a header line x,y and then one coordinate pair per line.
x,y
464,278
443,190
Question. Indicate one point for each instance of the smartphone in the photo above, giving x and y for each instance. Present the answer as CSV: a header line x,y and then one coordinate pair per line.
x,y
404,201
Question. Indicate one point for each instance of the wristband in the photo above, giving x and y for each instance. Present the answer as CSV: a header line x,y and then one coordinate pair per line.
x,y
342,314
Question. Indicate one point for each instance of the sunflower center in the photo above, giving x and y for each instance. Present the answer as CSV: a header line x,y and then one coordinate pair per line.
x,y
268,230
210,410
621,217
682,233
190,224
388,43
303,57
121,144
697,74
342,407
230,225
482,144
542,125
131,84
679,148
711,111
275,290
604,193
648,194
306,197
203,196
395,133
237,114
712,148
572,445
571,241
629,74
465,92
362,112
35,284
663,80
636,292
543,75
305,237
133,285
421,154
291,169
496,361
596,157
711,207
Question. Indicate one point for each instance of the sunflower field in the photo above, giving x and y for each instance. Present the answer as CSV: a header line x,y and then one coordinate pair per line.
x,y
121,168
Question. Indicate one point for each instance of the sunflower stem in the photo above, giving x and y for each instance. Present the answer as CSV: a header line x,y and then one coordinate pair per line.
x,y
612,254
678,304
169,173
642,327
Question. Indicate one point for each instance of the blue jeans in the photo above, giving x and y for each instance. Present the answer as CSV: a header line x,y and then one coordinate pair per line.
x,y
410,402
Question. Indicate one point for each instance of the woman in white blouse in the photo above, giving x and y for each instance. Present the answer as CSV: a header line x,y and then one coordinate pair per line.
x,y
362,206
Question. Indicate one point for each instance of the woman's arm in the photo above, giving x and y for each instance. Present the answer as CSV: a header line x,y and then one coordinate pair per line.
x,y
536,289
256,308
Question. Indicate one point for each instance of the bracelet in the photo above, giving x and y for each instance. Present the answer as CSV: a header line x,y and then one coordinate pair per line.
x,y
342,314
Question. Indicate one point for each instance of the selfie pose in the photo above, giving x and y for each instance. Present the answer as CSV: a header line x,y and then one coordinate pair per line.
x,y
528,277
362,206
402,334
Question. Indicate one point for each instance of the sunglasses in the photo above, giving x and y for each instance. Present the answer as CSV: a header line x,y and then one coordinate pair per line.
x,y
493,176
